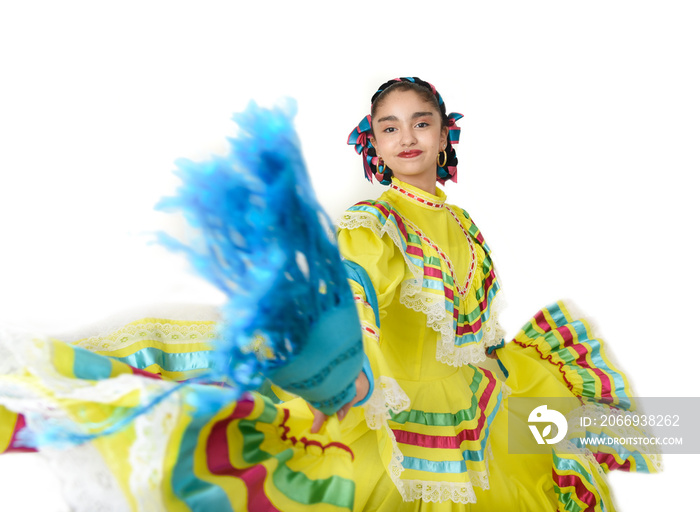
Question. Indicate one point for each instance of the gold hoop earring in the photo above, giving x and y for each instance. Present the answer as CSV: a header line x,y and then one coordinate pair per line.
x,y
445,159
380,163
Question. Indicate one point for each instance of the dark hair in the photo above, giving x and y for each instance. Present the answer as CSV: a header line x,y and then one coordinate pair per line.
x,y
422,90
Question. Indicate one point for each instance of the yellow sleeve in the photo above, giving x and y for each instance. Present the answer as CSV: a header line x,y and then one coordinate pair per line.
x,y
374,285
379,257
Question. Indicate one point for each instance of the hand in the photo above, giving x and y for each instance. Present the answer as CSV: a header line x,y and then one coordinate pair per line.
x,y
361,390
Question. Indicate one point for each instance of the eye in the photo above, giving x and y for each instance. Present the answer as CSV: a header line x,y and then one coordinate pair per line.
x,y
422,124
391,129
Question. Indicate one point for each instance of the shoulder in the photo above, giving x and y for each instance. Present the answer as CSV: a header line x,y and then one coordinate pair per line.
x,y
378,215
378,211
372,223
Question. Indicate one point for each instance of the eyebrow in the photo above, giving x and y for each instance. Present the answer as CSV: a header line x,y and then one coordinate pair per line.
x,y
414,116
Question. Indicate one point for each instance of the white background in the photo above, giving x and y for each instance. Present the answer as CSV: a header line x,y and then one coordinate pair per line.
x,y
578,158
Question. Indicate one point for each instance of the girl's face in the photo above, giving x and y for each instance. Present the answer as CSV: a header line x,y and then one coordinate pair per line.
x,y
408,135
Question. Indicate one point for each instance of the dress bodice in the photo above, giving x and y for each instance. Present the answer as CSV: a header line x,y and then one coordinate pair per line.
x,y
433,277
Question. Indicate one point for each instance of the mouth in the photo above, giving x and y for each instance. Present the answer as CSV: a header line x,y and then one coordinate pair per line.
x,y
410,154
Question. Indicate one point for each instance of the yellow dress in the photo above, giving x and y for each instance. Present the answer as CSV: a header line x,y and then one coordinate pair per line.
x,y
433,435
444,415
436,298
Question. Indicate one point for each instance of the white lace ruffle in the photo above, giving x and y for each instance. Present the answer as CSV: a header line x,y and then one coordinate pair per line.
x,y
438,319
462,492
9,364
77,465
168,332
34,356
39,397
366,220
148,453
387,397
473,353
505,393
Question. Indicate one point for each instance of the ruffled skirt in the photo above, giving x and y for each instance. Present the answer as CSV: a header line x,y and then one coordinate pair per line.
x,y
153,443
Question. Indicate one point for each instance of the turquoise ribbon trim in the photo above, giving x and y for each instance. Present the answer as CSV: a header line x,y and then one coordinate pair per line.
x,y
619,385
90,366
563,464
492,349
367,369
358,274
183,362
431,466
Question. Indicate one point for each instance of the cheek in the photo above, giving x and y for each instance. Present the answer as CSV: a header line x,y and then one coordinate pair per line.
x,y
380,143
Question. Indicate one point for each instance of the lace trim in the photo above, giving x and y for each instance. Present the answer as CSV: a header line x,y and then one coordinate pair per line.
x,y
474,353
39,399
413,297
148,454
15,394
505,391
8,361
80,464
366,220
38,396
388,396
164,331
457,492
494,333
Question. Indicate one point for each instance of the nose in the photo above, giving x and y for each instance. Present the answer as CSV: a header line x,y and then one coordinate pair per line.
x,y
407,138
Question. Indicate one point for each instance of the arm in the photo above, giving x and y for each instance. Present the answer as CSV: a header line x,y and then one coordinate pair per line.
x,y
375,270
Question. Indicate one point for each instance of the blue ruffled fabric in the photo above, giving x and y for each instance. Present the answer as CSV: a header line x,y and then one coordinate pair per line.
x,y
268,245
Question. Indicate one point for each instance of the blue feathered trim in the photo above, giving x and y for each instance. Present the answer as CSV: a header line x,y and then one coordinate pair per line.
x,y
269,246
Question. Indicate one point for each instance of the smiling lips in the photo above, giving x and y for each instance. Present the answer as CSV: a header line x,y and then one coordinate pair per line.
x,y
410,154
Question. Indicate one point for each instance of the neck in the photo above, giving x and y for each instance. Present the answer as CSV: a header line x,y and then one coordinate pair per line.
x,y
426,184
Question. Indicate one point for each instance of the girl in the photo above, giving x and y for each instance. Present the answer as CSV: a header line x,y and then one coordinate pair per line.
x,y
434,323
